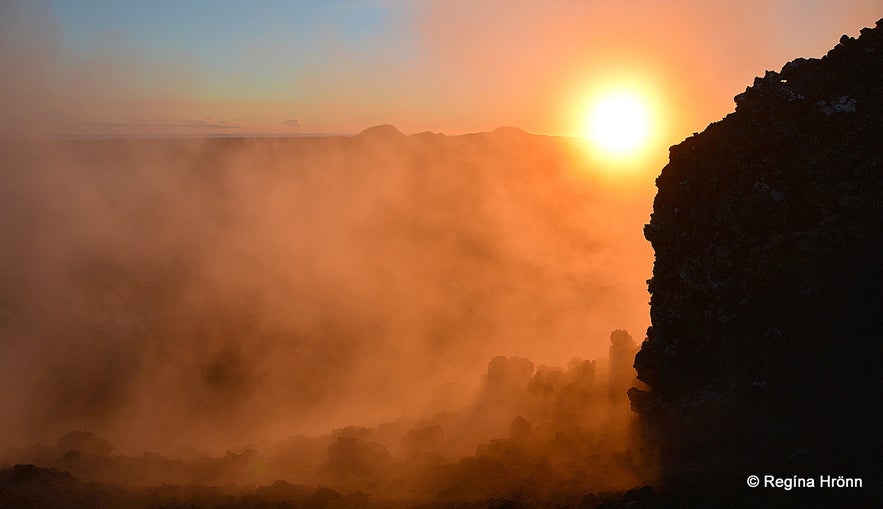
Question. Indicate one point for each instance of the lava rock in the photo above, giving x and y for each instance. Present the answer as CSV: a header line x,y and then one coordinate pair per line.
x,y
763,354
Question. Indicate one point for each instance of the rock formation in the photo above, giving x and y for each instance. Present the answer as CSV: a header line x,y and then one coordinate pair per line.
x,y
764,351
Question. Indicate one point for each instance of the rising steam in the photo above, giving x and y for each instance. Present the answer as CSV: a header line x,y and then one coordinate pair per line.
x,y
168,295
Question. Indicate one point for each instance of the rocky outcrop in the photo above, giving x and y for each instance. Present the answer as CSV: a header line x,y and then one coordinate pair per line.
x,y
764,350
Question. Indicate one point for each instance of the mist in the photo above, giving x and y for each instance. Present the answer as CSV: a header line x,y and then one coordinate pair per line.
x,y
208,295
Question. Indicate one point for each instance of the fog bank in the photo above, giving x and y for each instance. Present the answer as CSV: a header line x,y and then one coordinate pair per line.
x,y
212,293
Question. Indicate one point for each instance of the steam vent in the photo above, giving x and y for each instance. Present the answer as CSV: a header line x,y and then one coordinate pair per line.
x,y
764,352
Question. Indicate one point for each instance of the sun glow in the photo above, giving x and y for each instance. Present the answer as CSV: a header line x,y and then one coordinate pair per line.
x,y
618,124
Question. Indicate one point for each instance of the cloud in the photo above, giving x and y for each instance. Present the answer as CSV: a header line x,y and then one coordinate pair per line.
x,y
294,125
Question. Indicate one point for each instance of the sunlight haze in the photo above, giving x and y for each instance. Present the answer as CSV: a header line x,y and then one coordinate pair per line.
x,y
148,68
430,253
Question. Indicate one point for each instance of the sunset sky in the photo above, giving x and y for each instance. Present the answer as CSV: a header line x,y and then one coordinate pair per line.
x,y
339,66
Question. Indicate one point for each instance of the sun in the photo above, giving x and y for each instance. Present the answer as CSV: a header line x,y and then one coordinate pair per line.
x,y
618,124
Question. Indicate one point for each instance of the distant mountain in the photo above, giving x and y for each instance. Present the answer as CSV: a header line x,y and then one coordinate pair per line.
x,y
764,352
385,131
388,131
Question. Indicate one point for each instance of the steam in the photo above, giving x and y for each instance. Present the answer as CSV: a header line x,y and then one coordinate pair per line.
x,y
381,313
535,433
230,302
208,293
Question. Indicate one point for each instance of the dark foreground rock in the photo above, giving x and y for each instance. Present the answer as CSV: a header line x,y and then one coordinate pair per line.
x,y
29,486
764,352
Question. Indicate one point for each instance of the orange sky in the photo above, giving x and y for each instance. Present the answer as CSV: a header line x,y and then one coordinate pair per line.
x,y
450,66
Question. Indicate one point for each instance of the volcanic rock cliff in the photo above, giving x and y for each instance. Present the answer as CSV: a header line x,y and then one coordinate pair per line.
x,y
764,352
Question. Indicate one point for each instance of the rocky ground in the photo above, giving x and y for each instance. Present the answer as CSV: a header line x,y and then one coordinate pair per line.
x,y
763,355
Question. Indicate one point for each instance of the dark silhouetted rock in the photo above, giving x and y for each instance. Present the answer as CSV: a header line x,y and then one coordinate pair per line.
x,y
351,458
430,438
764,350
508,374
83,444
588,501
622,374
325,498
27,475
